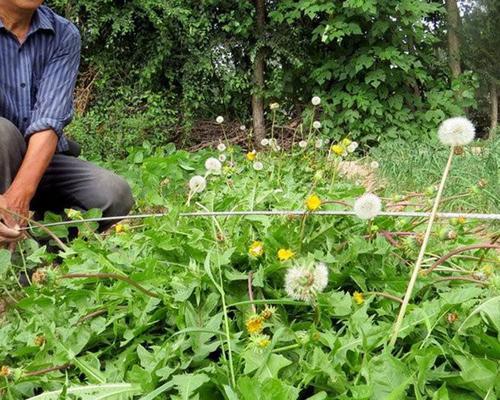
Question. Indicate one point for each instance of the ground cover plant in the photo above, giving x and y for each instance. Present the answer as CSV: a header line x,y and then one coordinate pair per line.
x,y
293,306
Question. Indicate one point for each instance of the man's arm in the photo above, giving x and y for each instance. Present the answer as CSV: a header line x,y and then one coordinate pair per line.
x,y
41,148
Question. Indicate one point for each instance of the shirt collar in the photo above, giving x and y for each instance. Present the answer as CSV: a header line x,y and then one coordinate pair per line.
x,y
40,21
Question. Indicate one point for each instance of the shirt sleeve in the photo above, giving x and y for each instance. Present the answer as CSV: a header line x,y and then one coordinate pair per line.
x,y
53,107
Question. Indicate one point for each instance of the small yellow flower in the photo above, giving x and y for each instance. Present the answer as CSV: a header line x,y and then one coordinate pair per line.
x,y
338,149
263,341
313,202
285,254
268,312
5,371
488,269
254,324
119,228
461,220
251,155
359,298
256,249
346,142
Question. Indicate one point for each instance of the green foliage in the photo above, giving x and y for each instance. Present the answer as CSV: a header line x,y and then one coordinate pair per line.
x,y
378,65
180,345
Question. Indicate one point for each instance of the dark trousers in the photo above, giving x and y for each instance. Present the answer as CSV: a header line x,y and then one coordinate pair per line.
x,y
68,182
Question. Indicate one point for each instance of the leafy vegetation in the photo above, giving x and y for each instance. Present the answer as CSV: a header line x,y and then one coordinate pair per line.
x,y
162,307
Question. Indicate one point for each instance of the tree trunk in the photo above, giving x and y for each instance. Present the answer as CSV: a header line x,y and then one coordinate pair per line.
x,y
494,108
259,124
453,38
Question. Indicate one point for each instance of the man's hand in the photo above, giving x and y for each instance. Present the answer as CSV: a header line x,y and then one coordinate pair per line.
x,y
9,229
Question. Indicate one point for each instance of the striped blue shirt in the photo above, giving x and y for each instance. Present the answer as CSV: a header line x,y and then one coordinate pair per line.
x,y
37,78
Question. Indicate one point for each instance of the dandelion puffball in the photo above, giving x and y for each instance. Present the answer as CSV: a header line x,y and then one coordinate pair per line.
x,y
264,142
367,206
319,143
457,131
197,184
243,128
258,166
221,147
316,101
213,165
304,283
316,125
274,106
303,144
374,165
219,119
222,157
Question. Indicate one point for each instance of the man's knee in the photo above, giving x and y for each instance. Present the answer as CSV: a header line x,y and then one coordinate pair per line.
x,y
10,137
114,195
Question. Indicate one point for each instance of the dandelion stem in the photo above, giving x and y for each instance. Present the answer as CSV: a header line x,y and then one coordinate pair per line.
x,y
286,348
413,279
250,292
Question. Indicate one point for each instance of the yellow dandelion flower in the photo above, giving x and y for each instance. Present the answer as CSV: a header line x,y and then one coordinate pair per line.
x,y
313,202
251,155
359,298
119,228
254,324
488,269
346,142
338,149
285,254
263,342
39,341
256,249
461,220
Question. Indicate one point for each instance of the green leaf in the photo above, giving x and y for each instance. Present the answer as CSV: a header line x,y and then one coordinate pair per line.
x,y
187,384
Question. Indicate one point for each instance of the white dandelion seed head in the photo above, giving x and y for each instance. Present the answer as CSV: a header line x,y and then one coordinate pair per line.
x,y
243,128
316,101
457,131
197,184
303,144
219,119
213,165
258,166
319,143
304,282
264,142
222,157
367,206
352,147
273,142
221,147
374,165
316,125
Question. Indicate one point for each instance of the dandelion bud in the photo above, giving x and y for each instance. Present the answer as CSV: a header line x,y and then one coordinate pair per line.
x,y
197,184
367,206
5,371
476,150
458,131
316,101
219,119
213,166
274,106
317,125
358,298
39,341
451,317
39,277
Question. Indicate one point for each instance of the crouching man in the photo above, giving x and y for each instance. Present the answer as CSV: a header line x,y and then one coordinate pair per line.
x,y
39,170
